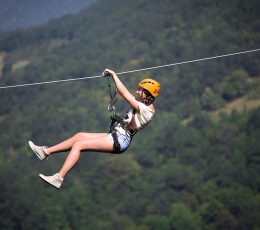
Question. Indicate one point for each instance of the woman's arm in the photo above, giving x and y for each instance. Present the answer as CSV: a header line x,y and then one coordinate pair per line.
x,y
123,91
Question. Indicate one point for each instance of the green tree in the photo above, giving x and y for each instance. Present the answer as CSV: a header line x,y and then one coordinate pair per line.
x,y
235,85
182,218
155,222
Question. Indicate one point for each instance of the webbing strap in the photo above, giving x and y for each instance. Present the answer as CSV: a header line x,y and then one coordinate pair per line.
x,y
116,146
113,97
115,119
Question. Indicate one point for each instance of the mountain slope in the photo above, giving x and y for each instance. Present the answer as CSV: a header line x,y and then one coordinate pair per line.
x,y
197,174
152,34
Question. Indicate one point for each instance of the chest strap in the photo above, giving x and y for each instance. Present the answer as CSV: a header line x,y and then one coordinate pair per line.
x,y
115,120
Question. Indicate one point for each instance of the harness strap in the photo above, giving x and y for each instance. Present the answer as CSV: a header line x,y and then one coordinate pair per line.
x,y
116,146
113,97
115,120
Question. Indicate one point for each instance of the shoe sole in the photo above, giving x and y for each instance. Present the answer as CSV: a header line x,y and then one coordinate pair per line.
x,y
31,144
49,182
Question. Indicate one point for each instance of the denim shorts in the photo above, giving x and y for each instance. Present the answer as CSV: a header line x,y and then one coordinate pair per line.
x,y
123,137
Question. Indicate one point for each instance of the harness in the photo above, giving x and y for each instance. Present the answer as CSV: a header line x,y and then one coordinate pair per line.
x,y
116,120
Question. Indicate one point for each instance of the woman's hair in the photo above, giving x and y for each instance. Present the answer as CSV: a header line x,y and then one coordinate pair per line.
x,y
149,99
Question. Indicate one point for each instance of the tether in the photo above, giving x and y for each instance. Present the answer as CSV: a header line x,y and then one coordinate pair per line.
x,y
113,96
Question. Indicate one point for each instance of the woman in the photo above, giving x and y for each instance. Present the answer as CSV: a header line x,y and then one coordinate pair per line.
x,y
117,140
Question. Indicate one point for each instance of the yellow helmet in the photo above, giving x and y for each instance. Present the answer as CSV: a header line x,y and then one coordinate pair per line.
x,y
152,86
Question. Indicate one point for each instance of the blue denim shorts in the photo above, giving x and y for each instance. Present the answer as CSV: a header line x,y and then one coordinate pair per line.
x,y
123,137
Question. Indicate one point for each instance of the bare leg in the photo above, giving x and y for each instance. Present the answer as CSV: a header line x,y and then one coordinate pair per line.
x,y
100,144
67,144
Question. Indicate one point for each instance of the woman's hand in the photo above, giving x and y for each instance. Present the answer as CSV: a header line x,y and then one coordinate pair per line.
x,y
108,73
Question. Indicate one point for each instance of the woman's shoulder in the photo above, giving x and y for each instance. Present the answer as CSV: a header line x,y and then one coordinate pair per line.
x,y
150,107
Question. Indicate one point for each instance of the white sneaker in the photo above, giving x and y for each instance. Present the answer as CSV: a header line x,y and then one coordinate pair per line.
x,y
40,151
55,180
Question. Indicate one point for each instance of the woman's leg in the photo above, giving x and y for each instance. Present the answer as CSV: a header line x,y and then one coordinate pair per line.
x,y
67,144
100,143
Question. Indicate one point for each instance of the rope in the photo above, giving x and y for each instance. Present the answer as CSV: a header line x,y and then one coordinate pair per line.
x,y
133,71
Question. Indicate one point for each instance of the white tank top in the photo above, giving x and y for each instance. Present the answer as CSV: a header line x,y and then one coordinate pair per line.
x,y
141,117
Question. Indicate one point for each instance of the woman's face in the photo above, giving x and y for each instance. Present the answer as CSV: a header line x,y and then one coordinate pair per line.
x,y
140,92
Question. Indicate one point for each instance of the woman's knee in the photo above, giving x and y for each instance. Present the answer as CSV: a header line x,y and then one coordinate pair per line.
x,y
79,136
77,146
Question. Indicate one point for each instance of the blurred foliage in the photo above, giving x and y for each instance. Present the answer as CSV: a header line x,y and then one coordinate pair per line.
x,y
185,170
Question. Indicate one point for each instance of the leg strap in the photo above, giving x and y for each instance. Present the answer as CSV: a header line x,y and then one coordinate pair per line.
x,y
116,147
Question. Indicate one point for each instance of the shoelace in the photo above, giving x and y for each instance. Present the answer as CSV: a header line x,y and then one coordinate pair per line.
x,y
43,148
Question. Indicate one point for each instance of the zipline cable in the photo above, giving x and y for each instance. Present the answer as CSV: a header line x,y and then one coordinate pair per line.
x,y
48,82
191,61
133,71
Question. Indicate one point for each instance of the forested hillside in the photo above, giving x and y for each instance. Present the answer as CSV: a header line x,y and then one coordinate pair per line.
x,y
196,166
